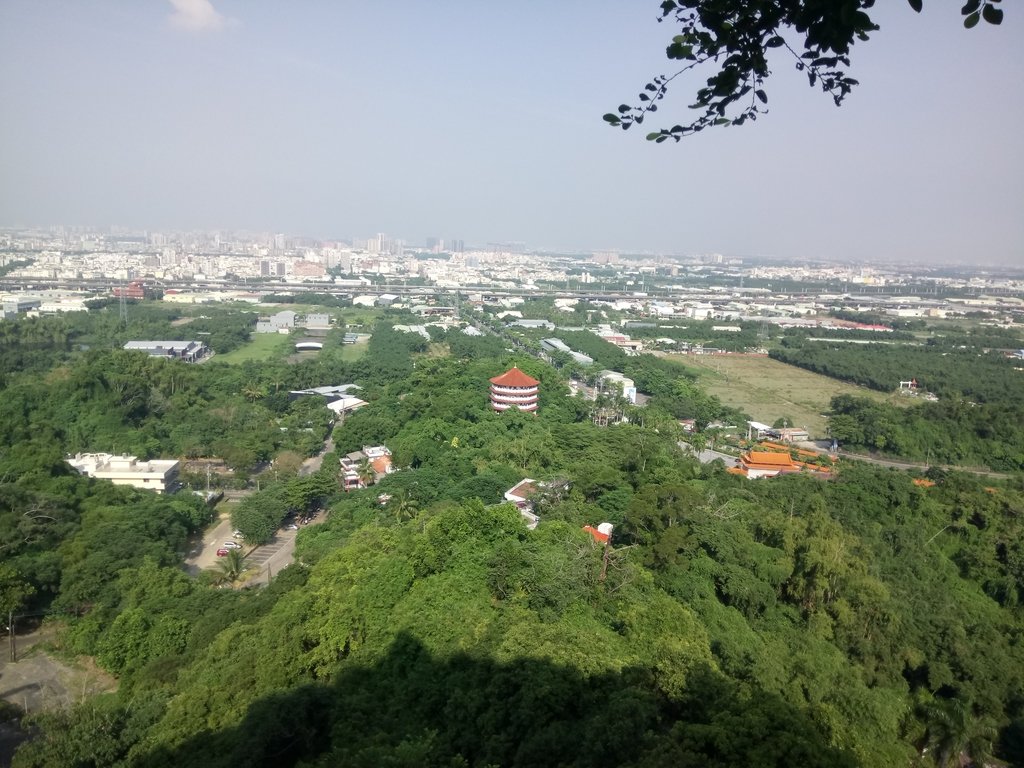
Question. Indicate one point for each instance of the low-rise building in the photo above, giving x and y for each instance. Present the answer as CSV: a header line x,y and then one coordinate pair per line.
x,y
557,345
793,435
758,464
186,351
530,323
620,381
160,475
282,322
318,320
12,306
361,468
522,495
346,404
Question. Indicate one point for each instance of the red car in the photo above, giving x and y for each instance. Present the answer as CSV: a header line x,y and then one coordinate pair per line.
x,y
222,552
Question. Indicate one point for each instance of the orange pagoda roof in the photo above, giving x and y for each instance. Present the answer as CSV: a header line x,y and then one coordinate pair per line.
x,y
514,378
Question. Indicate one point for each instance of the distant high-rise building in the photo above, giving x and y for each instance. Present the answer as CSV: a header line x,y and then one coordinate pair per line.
x,y
265,268
281,268
432,243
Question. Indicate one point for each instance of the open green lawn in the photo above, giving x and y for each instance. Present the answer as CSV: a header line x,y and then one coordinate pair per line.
x,y
769,390
262,346
351,352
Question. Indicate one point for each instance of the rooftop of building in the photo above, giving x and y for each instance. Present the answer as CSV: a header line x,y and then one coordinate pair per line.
x,y
514,378
91,463
768,459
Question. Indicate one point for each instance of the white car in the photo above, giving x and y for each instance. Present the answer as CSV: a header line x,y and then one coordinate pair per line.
x,y
238,534
232,545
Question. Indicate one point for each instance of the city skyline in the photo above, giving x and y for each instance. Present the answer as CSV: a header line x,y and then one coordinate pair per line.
x,y
484,124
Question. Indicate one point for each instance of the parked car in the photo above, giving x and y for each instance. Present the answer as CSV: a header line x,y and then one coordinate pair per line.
x,y
232,545
222,552
291,527
237,535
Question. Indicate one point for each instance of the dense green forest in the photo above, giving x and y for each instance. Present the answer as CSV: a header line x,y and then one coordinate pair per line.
x,y
978,419
949,373
863,621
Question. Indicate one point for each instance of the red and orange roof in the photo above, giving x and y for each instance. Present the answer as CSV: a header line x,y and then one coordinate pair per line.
x,y
514,378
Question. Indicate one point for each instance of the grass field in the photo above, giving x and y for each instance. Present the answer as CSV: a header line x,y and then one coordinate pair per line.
x,y
350,352
262,346
769,390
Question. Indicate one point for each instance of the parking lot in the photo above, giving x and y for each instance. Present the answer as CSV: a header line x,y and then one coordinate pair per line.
x,y
262,562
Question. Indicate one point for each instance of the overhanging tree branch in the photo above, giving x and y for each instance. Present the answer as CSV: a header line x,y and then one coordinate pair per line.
x,y
736,35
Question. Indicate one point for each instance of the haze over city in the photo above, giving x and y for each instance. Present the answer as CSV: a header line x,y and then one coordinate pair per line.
x,y
483,122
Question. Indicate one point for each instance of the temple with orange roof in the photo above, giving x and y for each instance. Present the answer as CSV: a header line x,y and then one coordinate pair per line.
x,y
514,389
757,464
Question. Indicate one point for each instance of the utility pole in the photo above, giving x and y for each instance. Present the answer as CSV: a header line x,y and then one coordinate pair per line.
x,y
10,629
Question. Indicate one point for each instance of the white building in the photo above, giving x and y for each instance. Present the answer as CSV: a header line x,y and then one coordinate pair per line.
x,y
282,322
622,381
158,475
188,351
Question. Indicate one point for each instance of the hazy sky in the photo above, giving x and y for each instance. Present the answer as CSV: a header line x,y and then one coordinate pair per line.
x,y
482,121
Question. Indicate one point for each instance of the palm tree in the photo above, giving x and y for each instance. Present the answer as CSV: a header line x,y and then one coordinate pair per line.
x,y
252,392
953,733
405,506
230,568
366,472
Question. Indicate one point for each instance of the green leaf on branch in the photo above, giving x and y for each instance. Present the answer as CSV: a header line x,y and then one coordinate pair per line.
x,y
992,14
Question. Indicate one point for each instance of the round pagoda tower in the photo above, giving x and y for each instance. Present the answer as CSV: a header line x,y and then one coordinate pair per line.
x,y
514,389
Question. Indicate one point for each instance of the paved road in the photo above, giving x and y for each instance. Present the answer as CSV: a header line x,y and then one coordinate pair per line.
x,y
203,554
824,445
313,464
264,560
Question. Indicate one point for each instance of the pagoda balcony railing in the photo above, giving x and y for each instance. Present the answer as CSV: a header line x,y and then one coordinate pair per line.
x,y
496,389
514,399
